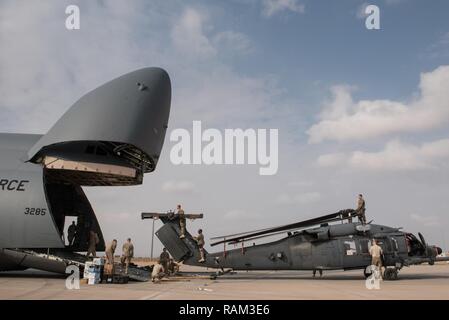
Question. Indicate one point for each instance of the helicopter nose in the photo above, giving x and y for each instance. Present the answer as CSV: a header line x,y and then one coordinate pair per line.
x,y
439,250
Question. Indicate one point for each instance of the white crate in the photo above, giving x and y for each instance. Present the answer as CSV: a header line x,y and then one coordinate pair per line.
x,y
92,276
98,261
91,272
92,281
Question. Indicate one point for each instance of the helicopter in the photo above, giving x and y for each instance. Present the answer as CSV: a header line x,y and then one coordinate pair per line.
x,y
329,242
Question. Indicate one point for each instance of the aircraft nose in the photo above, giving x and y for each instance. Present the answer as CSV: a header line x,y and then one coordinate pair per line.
x,y
154,94
130,110
159,86
439,250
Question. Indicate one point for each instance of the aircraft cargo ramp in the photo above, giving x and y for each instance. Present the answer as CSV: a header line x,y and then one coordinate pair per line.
x,y
57,261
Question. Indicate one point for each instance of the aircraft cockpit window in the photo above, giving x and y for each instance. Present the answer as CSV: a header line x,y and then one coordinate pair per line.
x,y
415,247
350,248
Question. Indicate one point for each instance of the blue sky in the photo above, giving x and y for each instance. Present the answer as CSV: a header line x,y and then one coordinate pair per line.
x,y
358,111
328,43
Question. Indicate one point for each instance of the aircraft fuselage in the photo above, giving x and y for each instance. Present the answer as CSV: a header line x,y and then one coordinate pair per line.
x,y
111,136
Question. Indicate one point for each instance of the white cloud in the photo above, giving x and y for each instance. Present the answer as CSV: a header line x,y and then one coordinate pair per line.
x,y
223,98
396,156
337,107
428,221
343,119
272,7
300,184
302,198
188,35
58,72
45,68
239,214
331,159
212,90
232,43
178,187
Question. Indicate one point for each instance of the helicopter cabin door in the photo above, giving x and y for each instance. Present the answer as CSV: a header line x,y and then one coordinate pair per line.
x,y
353,257
389,247
365,245
323,255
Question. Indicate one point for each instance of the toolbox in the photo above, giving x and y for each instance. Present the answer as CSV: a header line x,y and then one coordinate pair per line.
x,y
108,279
120,279
119,268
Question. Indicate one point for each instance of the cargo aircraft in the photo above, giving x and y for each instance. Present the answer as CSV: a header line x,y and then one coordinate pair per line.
x,y
111,136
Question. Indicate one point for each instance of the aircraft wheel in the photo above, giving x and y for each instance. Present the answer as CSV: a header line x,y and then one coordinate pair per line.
x,y
387,274
396,274
390,274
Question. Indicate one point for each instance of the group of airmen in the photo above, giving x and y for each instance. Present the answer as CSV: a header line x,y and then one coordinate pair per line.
x,y
166,265
127,253
74,232
199,238
93,240
127,250
375,250
359,212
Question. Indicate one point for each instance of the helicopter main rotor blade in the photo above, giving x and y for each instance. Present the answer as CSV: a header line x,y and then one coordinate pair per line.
x,y
259,237
297,225
239,234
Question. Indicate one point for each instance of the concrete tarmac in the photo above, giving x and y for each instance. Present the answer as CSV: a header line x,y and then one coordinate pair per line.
x,y
417,282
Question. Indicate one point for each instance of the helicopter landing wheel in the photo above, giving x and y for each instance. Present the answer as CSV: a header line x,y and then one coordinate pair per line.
x,y
391,274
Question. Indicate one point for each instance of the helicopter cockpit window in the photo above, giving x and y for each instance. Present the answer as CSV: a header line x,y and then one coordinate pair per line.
x,y
395,244
350,247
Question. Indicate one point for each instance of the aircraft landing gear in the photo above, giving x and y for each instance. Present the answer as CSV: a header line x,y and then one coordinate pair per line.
x,y
391,273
